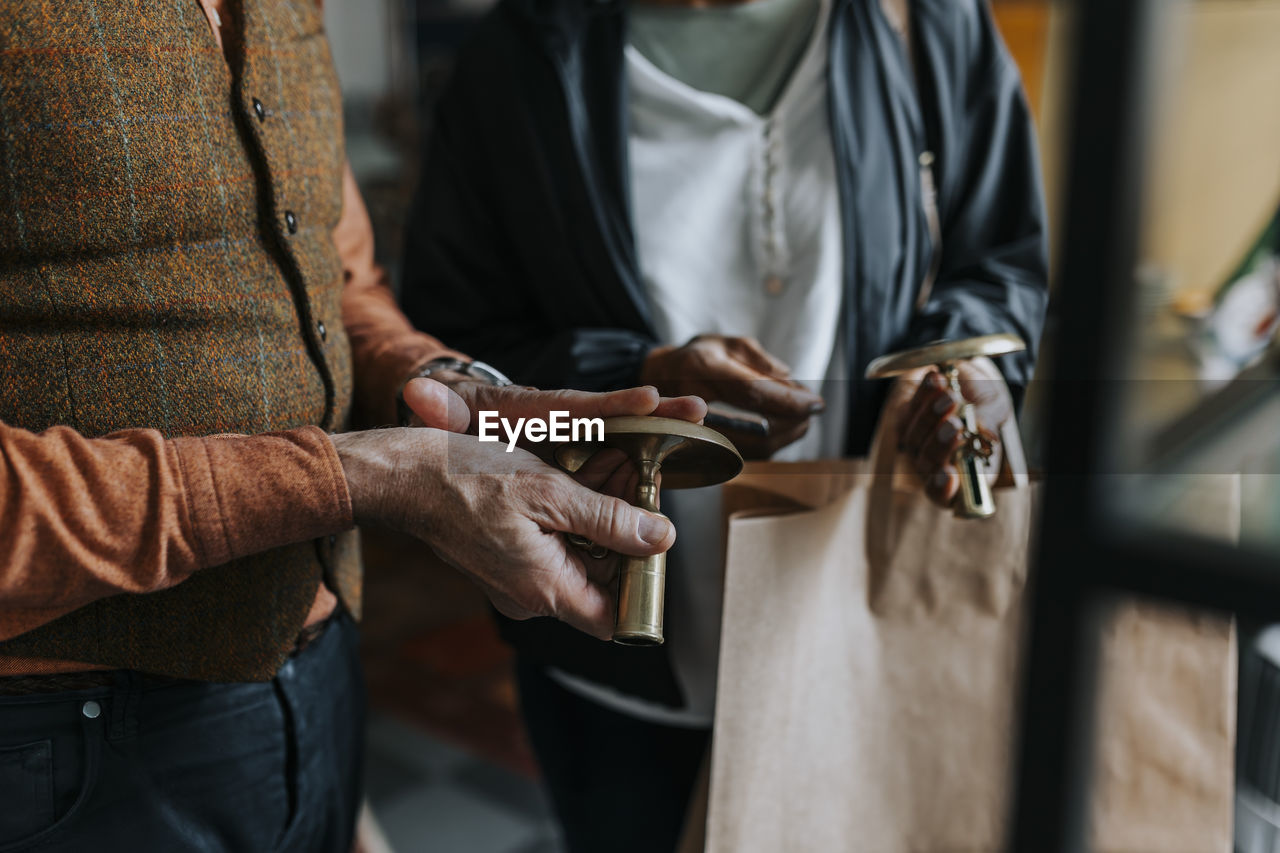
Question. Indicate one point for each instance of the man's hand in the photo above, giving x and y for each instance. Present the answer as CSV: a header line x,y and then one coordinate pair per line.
x,y
929,426
740,372
499,518
452,402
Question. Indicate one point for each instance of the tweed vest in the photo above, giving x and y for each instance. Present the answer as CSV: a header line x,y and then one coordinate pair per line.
x,y
166,262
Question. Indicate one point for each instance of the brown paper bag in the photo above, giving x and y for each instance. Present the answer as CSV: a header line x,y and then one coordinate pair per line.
x,y
868,679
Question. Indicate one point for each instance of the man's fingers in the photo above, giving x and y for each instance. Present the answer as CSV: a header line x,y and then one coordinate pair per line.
x,y
569,590
643,400
609,472
629,401
601,468
622,484
436,405
582,602
585,404
513,403
692,409
602,570
607,521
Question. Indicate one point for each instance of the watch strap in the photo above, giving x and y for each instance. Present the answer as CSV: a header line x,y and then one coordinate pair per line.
x,y
473,369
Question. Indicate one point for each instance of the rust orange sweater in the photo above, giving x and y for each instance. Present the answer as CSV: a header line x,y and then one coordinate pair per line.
x,y
84,518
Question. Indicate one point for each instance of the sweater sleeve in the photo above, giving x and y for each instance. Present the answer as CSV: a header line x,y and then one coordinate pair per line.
x,y
85,518
385,347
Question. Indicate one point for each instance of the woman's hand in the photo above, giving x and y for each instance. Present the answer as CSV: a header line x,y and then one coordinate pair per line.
x,y
737,371
930,430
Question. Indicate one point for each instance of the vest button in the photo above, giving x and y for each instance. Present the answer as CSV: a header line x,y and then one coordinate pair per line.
x,y
91,709
324,333
291,221
259,110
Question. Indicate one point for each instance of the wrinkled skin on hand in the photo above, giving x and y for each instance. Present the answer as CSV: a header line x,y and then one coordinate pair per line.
x,y
454,404
501,518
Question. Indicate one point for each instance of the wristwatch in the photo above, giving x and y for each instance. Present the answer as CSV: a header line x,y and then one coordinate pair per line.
x,y
474,369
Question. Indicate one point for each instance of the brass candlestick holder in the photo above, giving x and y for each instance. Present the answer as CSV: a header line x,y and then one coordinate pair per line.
x,y
974,454
688,456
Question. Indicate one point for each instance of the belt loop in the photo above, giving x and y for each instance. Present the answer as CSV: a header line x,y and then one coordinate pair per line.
x,y
124,706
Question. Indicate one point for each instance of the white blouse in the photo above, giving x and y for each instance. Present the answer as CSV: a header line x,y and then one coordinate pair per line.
x,y
738,226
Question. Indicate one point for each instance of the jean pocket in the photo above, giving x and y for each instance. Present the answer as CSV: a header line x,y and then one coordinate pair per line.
x,y
26,789
44,784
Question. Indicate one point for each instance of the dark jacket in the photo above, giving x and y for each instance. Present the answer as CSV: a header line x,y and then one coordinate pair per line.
x,y
520,247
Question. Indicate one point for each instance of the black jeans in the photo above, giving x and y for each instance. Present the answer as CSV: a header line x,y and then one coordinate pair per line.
x,y
181,766
618,784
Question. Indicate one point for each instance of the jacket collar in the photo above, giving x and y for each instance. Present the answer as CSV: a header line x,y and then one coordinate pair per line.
x,y
584,40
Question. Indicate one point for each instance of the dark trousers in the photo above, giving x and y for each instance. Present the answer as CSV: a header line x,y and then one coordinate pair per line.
x,y
618,784
178,766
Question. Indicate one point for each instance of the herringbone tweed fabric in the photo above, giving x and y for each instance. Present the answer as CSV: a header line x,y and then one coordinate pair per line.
x,y
150,277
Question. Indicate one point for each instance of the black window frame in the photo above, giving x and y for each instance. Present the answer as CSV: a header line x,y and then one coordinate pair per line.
x,y
1086,555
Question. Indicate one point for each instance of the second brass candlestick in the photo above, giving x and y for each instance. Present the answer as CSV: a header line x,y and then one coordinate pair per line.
x,y
975,500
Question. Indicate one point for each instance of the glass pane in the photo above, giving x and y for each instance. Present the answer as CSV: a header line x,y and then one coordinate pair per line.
x,y
1202,396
